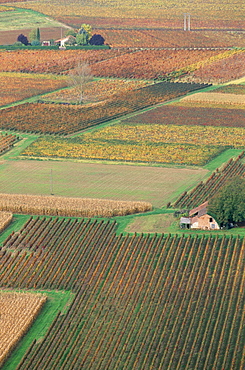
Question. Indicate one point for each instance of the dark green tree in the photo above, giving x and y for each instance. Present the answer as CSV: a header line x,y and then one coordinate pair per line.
x,y
228,206
23,39
97,40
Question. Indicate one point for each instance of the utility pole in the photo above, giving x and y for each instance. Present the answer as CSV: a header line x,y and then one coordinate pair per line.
x,y
51,182
187,22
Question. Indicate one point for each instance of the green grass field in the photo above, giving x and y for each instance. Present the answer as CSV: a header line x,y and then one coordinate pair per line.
x,y
25,19
157,185
166,223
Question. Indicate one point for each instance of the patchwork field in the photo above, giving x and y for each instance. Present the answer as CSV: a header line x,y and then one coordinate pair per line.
x,y
67,119
133,291
190,64
202,12
220,71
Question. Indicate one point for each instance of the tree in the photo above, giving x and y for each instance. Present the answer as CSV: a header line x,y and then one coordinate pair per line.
x,y
23,39
71,32
97,40
34,35
79,77
87,28
228,206
82,37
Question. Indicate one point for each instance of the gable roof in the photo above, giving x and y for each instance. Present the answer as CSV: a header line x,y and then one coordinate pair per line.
x,y
200,210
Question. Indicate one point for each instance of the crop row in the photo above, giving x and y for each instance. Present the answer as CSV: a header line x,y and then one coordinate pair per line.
x,y
6,142
66,119
153,64
96,91
192,115
52,61
124,150
124,63
157,143
5,219
163,38
221,71
69,207
206,190
159,10
141,301
18,311
232,100
17,86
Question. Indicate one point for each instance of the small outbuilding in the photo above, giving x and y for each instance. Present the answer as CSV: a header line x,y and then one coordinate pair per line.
x,y
185,223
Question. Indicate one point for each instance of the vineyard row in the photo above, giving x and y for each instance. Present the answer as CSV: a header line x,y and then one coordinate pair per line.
x,y
142,301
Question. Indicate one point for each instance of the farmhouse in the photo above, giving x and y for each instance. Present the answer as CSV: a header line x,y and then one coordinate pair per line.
x,y
67,40
200,219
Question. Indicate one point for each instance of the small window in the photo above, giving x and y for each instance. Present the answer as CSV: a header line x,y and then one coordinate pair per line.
x,y
211,219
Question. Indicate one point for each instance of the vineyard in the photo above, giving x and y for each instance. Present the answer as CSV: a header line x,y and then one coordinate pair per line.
x,y
96,91
52,61
18,311
206,190
138,10
66,119
141,139
142,302
191,114
69,207
221,71
168,64
216,98
120,146
189,64
19,86
169,38
232,89
7,141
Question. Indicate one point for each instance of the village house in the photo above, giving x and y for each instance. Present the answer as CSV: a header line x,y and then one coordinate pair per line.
x,y
66,40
